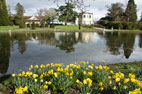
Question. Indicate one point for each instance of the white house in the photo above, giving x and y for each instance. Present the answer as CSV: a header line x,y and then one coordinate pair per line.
x,y
30,19
85,19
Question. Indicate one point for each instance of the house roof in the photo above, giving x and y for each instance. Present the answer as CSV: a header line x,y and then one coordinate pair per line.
x,y
38,17
86,13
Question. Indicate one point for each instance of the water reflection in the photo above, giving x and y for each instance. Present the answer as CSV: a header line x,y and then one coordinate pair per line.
x,y
140,40
4,52
129,40
81,43
115,41
67,41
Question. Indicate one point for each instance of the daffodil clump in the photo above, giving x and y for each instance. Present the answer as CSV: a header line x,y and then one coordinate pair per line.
x,y
83,77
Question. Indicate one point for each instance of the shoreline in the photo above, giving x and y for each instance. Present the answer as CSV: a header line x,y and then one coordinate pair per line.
x,y
59,30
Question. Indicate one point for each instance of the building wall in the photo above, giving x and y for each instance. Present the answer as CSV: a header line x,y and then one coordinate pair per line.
x,y
85,19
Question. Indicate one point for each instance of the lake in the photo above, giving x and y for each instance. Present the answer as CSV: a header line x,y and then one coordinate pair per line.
x,y
20,50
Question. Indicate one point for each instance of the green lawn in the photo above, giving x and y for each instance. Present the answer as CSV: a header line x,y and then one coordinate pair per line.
x,y
131,67
72,27
58,27
8,27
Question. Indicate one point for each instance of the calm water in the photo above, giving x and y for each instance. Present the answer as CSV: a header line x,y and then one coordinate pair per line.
x,y
19,50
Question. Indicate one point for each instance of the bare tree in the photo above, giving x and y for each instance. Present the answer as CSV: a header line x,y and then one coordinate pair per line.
x,y
51,14
79,4
39,13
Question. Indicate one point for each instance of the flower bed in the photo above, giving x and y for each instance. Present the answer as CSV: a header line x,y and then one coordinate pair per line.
x,y
79,77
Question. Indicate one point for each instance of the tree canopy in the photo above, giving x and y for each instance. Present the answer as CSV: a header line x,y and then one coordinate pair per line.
x,y
19,18
115,11
3,13
131,12
66,13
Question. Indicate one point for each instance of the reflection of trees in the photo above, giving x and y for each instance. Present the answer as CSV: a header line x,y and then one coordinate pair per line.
x,y
140,40
4,52
48,38
21,41
22,45
115,41
129,40
67,41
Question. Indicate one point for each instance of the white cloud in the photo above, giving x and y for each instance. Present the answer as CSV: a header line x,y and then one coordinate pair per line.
x,y
98,7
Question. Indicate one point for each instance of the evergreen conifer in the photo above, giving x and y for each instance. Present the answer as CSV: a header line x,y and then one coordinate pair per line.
x,y
3,13
131,12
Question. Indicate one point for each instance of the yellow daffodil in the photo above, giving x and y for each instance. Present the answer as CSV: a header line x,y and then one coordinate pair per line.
x,y
84,81
125,87
84,72
90,73
100,67
126,80
55,74
45,86
49,83
111,71
101,84
25,88
101,88
36,66
13,75
114,88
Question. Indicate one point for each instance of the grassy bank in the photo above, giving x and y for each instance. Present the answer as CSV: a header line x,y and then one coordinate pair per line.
x,y
122,78
130,67
58,27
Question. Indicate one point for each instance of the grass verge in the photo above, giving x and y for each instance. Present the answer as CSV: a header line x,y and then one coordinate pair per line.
x,y
58,27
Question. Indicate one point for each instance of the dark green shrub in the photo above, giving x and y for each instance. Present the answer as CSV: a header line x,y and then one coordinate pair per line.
x,y
105,23
22,25
116,24
140,25
46,25
88,26
98,25
33,25
52,25
42,25
28,25
127,25
130,25
37,25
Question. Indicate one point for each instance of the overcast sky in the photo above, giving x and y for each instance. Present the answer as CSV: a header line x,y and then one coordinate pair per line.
x,y
97,7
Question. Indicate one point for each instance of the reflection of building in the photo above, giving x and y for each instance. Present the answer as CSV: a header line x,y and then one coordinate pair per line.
x,y
85,19
87,36
76,36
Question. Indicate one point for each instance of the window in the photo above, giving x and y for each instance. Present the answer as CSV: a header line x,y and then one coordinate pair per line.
x,y
84,16
90,16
